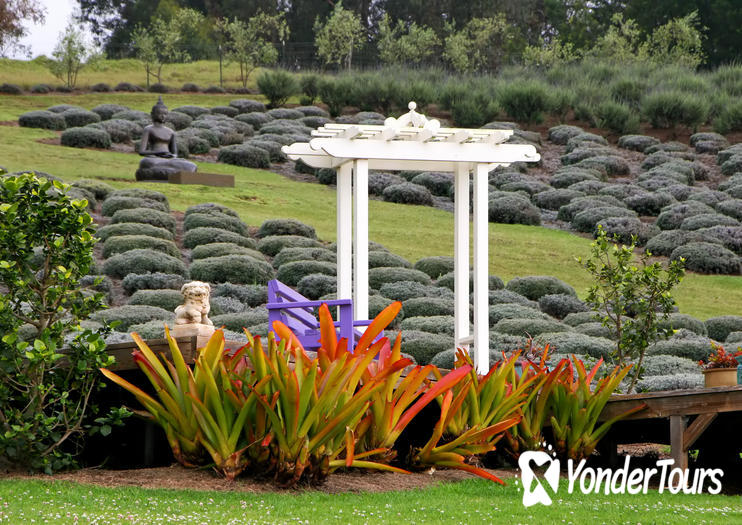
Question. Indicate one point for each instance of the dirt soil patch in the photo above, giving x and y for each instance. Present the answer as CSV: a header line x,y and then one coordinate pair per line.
x,y
178,477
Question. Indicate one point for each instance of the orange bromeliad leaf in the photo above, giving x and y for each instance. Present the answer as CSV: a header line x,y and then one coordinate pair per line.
x,y
377,326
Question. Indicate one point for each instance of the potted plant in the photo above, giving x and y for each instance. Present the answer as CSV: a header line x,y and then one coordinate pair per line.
x,y
720,369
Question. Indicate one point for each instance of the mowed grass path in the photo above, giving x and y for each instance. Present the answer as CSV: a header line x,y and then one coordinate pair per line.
x,y
466,502
410,231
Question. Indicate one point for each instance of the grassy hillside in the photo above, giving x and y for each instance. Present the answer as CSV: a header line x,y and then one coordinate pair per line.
x,y
410,231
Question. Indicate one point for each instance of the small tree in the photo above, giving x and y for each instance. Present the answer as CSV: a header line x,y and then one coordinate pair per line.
x,y
405,45
551,54
70,55
680,41
339,36
481,45
622,42
632,298
250,45
46,246
12,30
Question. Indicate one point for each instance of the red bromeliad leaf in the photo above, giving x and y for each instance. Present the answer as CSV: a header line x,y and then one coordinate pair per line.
x,y
284,332
328,335
377,326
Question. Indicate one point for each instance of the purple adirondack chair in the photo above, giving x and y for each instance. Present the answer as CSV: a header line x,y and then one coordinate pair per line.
x,y
297,312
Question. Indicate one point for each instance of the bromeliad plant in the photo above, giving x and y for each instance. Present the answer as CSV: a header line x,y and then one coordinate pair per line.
x,y
720,358
576,407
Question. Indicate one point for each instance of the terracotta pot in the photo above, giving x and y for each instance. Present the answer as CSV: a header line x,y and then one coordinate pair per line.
x,y
720,377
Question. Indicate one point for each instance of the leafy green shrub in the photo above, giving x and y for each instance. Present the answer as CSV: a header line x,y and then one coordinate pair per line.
x,y
199,236
129,315
277,86
596,329
514,209
710,197
125,243
214,220
120,131
587,220
226,305
42,119
217,249
718,328
244,155
530,187
272,148
705,257
626,228
273,244
732,165
152,281
142,261
239,320
130,228
437,183
561,305
734,337
152,329
507,297
424,346
99,189
145,216
178,121
730,119
237,269
569,211
285,113
248,105
500,311
428,306
287,255
249,294
666,241
291,273
616,117
86,138
695,348
555,199
649,203
578,318
380,258
673,216
41,89
113,204
524,101
191,111
628,91
584,140
256,120
166,299
382,275
589,150
565,342
637,142
707,220
562,133
448,280
534,287
677,321
127,86
225,110
403,290
211,208
408,193
435,266
158,87
662,383
78,118
316,285
327,176
567,177
611,165
529,327
589,187
437,324
667,109
286,227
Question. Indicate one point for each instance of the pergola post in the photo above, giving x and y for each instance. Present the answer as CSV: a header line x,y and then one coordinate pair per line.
x,y
344,232
360,225
481,266
461,256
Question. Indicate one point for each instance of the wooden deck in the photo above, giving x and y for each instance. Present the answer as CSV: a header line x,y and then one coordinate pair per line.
x,y
679,406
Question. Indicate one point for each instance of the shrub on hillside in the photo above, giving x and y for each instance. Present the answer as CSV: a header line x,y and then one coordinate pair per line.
x,y
78,118
529,327
428,306
316,285
145,216
562,133
41,89
379,181
707,220
448,280
277,86
125,243
217,249
142,261
673,216
152,329
565,342
378,258
127,86
42,119
286,227
561,305
610,165
382,275
667,109
211,208
245,155
498,312
248,105
649,203
239,320
237,269
424,346
677,321
438,183
120,131
98,188
403,290
534,287
130,228
567,177
86,138
514,210
200,236
129,315
626,228
435,266
166,299
114,203
524,101
705,257
555,198
507,297
256,120
569,211
728,236
637,142
291,273
718,328
287,255
273,244
437,324
152,281
408,193
587,220
695,348
661,383
666,241
213,220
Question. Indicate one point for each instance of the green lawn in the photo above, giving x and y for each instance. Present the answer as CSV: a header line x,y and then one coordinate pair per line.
x,y
410,231
470,501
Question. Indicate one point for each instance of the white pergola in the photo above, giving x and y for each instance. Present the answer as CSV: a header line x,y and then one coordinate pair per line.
x,y
413,142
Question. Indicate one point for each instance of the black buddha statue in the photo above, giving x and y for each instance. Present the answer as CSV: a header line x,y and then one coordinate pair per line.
x,y
159,149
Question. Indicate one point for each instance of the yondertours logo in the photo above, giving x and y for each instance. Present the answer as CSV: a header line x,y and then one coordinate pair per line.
x,y
625,480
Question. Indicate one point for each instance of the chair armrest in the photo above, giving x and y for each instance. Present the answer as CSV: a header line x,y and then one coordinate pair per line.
x,y
308,304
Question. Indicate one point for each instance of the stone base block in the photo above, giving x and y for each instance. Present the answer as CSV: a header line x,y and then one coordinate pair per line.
x,y
204,179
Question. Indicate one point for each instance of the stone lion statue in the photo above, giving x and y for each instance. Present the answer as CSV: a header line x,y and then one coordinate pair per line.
x,y
195,308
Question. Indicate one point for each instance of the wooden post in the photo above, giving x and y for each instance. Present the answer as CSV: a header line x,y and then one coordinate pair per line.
x,y
344,232
461,256
678,450
481,267
360,268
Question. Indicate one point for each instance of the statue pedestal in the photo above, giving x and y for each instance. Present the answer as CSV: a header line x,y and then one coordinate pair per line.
x,y
202,331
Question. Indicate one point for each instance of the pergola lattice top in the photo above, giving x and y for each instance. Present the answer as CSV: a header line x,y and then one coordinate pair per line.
x,y
413,142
